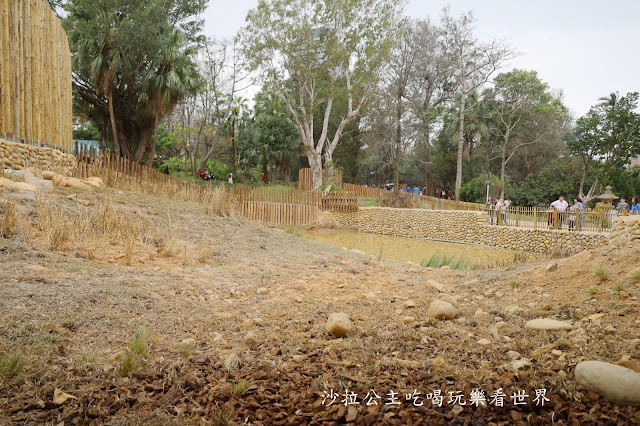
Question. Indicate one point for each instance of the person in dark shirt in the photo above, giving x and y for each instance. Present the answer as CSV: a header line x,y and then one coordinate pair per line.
x,y
623,207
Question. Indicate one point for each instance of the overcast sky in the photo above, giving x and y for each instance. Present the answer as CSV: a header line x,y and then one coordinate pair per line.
x,y
585,48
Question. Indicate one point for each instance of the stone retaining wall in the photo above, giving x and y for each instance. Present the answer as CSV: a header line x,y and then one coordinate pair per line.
x,y
465,227
625,229
18,156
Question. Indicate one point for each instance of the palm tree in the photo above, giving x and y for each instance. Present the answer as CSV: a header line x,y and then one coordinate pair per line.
x,y
609,101
175,77
239,110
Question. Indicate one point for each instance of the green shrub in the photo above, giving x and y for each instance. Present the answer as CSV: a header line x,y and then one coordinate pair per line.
x,y
436,261
219,169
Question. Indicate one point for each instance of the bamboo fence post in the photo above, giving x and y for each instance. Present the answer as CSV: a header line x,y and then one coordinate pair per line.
x,y
601,220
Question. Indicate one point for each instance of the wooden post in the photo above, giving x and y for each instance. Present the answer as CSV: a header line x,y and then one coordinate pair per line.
x,y
601,220
535,218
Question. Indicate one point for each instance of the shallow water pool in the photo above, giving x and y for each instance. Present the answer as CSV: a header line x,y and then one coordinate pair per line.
x,y
419,251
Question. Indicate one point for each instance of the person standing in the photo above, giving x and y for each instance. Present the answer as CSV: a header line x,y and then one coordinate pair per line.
x,y
576,214
231,178
635,206
505,204
498,209
490,208
560,205
623,207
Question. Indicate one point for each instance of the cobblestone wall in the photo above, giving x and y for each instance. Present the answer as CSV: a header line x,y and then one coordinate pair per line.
x,y
466,227
18,156
625,229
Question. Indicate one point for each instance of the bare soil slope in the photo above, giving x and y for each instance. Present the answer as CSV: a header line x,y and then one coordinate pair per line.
x,y
199,319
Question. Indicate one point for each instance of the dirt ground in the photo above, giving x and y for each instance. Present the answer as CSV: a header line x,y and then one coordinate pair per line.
x,y
210,320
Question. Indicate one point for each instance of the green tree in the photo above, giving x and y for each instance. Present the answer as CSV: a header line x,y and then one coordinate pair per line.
x,y
132,62
609,136
473,63
303,47
524,113
271,139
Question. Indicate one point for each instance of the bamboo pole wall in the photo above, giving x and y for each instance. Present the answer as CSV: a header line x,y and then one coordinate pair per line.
x,y
35,75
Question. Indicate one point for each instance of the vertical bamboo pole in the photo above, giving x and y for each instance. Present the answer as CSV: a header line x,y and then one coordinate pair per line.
x,y
4,63
15,65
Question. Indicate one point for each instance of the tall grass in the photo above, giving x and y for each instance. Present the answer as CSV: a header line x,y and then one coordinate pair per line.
x,y
634,276
601,273
8,214
11,365
436,261
132,362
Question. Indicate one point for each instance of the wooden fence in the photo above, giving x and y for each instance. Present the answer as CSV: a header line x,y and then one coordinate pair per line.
x,y
270,204
279,213
540,218
339,202
436,203
276,194
305,180
35,75
424,201
364,191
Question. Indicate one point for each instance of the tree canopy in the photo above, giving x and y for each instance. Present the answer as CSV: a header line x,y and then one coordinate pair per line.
x,y
302,48
132,63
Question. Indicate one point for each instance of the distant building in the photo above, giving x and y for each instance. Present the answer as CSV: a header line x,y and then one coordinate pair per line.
x,y
634,161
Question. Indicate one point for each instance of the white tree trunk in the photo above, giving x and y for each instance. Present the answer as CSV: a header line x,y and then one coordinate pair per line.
x,y
463,101
315,163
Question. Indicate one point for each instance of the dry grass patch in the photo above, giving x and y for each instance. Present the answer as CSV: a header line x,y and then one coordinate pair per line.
x,y
601,273
9,219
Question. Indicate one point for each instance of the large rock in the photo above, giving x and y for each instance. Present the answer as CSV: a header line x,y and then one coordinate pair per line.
x,y
619,385
48,174
18,186
59,180
21,174
76,183
547,324
95,181
41,184
439,309
28,177
339,324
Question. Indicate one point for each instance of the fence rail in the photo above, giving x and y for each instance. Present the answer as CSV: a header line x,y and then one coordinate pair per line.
x,y
279,213
277,195
305,178
35,75
277,205
339,202
426,201
587,220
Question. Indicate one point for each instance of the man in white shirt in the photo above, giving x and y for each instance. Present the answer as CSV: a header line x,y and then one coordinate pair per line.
x,y
560,205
